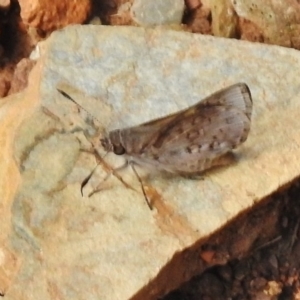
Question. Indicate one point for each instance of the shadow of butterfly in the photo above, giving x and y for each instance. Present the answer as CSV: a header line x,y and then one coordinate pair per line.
x,y
189,141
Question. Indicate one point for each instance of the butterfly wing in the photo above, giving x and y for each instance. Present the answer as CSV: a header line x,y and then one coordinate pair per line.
x,y
139,139
191,140
215,126
224,116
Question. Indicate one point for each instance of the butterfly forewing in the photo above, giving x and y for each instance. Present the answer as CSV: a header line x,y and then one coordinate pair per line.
x,y
222,117
191,140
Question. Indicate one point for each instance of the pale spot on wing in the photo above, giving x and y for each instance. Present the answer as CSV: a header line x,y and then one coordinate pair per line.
x,y
205,147
193,149
224,145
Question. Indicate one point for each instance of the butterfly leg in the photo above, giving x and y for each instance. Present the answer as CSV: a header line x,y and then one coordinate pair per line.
x,y
142,185
108,169
111,172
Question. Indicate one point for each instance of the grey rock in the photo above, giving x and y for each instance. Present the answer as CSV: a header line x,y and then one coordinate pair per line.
x,y
157,12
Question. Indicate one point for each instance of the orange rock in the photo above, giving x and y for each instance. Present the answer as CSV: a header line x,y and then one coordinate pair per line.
x,y
51,15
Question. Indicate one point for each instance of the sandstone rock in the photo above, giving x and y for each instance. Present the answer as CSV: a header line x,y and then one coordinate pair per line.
x,y
111,246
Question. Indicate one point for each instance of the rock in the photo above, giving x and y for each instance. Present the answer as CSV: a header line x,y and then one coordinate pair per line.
x,y
251,20
157,12
270,18
9,266
4,4
110,245
6,75
192,4
20,77
123,15
51,15
250,32
199,21
224,18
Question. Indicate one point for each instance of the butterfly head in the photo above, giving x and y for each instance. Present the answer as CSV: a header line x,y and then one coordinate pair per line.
x,y
112,143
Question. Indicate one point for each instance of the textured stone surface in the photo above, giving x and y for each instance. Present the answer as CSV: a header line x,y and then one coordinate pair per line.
x,y
277,21
224,18
14,110
111,246
50,15
157,12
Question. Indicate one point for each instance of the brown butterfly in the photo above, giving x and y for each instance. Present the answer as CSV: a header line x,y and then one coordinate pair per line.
x,y
189,141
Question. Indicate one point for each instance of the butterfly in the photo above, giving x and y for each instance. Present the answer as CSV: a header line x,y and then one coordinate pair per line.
x,y
190,141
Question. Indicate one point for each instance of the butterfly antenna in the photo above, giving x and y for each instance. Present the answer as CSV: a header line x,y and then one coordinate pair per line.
x,y
142,186
70,98
87,179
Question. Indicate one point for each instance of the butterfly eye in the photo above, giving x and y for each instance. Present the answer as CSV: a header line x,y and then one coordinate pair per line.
x,y
118,149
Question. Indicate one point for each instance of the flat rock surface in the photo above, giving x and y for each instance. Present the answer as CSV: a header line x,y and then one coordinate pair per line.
x,y
110,245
